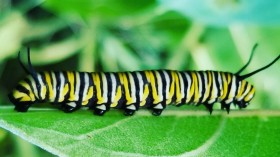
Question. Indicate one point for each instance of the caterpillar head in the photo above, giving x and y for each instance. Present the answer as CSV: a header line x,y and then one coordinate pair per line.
x,y
22,96
245,95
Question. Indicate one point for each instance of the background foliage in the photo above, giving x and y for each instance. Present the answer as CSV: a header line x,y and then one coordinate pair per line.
x,y
95,35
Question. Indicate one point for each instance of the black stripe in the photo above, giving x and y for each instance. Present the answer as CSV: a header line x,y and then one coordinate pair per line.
x,y
22,89
229,85
237,86
81,88
109,88
156,81
216,75
101,82
137,89
163,79
186,85
38,86
211,85
93,101
122,101
43,77
245,88
203,86
128,83
50,74
57,88
31,87
67,95
192,97
149,98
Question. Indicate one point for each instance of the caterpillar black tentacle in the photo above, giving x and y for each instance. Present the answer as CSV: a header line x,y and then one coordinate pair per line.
x,y
152,89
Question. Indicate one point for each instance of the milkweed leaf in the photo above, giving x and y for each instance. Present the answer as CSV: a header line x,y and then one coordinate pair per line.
x,y
175,133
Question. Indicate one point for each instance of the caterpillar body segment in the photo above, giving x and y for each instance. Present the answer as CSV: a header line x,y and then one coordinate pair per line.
x,y
152,89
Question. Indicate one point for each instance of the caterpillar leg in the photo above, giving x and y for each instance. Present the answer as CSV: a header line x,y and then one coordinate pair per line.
x,y
225,106
70,107
130,110
100,110
157,109
209,107
22,107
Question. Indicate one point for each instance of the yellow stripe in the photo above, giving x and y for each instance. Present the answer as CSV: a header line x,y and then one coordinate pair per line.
x,y
213,96
124,81
64,92
241,90
250,95
178,90
43,91
225,86
154,88
23,96
27,86
49,83
191,92
89,95
172,89
71,80
209,82
97,83
196,88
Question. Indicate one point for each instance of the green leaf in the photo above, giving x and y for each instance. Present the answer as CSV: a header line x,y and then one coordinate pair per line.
x,y
179,131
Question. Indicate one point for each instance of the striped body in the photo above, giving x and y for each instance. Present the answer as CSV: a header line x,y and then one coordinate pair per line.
x,y
130,90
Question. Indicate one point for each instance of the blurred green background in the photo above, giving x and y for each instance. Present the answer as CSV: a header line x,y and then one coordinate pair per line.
x,y
119,35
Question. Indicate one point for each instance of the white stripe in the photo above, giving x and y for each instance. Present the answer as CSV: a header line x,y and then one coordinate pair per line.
x,y
233,87
78,85
132,87
167,79
228,101
72,104
205,86
214,88
131,107
141,85
33,84
62,82
181,85
220,83
105,88
114,86
189,81
159,82
86,87
239,86
41,85
54,86
101,107
199,86
158,106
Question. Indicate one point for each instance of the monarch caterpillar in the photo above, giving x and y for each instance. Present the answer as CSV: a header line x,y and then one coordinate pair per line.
x,y
153,89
